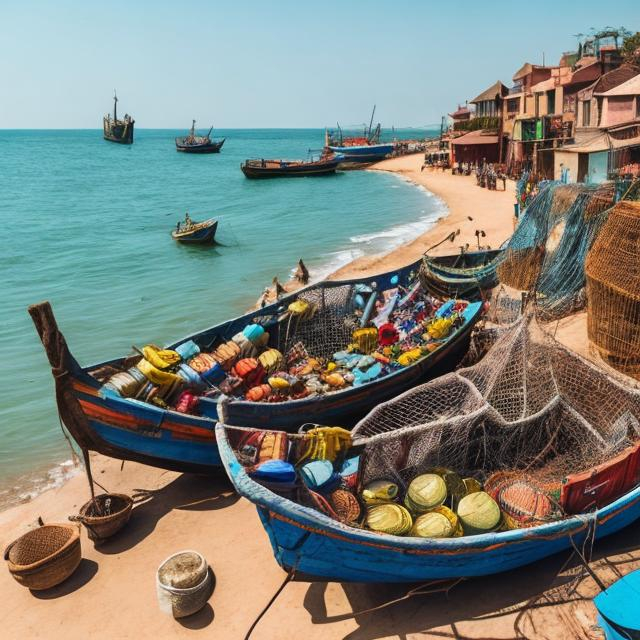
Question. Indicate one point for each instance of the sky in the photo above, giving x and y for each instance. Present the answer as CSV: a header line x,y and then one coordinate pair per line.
x,y
274,63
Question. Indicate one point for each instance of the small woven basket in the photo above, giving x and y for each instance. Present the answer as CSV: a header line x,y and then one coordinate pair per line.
x,y
105,515
183,584
44,557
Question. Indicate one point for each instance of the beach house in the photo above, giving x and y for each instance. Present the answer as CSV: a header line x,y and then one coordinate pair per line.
x,y
482,138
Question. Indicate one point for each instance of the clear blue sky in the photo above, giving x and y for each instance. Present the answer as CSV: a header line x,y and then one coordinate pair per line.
x,y
274,63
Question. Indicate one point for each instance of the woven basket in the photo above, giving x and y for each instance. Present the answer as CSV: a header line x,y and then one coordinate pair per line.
x,y
44,557
183,584
118,506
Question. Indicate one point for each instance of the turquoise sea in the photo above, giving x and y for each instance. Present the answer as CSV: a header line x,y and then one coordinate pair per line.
x,y
86,224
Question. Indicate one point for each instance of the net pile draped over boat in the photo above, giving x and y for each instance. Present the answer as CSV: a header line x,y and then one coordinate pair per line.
x,y
613,289
331,326
530,408
547,251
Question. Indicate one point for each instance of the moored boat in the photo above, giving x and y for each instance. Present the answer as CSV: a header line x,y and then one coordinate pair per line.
x,y
191,232
261,168
359,150
193,143
114,130
466,274
104,417
541,444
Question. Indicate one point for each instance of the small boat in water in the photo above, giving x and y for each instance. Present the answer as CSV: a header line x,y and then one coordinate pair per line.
x,y
114,130
191,232
124,420
198,144
290,168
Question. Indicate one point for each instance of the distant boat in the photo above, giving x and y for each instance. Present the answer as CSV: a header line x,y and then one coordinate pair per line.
x,y
196,232
198,144
120,131
290,168
363,149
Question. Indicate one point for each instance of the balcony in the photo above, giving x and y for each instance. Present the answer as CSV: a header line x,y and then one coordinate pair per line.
x,y
480,122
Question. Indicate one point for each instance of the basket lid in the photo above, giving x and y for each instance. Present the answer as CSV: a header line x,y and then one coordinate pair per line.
x,y
389,518
425,492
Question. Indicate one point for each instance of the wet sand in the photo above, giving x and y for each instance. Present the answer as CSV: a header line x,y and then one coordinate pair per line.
x,y
112,595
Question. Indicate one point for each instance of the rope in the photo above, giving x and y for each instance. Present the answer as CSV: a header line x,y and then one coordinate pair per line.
x,y
286,581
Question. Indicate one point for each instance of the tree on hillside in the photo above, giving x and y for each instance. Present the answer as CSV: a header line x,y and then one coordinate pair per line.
x,y
631,48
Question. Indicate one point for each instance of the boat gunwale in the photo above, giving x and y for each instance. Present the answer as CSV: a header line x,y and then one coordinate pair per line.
x,y
321,524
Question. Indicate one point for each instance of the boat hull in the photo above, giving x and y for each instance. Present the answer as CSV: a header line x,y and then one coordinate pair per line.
x,y
119,133
129,429
210,147
325,169
317,546
204,235
363,154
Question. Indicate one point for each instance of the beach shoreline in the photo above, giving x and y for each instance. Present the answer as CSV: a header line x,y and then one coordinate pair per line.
x,y
467,208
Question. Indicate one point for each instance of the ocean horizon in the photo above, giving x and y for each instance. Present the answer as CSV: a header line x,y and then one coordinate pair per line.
x,y
87,226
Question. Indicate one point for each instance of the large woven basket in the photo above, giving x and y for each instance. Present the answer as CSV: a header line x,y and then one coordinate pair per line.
x,y
44,557
105,515
183,584
613,289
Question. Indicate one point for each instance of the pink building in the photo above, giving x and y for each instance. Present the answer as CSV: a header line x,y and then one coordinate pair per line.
x,y
620,104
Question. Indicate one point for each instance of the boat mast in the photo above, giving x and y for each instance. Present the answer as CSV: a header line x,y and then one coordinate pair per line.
x,y
371,121
115,106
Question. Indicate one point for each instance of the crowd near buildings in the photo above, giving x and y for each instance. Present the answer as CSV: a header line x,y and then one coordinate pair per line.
x,y
577,121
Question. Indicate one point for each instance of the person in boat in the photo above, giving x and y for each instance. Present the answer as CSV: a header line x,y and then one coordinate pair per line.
x,y
178,226
278,288
188,222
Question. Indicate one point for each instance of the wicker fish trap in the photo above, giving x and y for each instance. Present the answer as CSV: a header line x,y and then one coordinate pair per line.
x,y
104,515
613,289
44,557
521,267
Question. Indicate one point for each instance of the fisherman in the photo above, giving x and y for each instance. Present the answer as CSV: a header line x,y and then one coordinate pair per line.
x,y
187,220
264,298
279,289
178,226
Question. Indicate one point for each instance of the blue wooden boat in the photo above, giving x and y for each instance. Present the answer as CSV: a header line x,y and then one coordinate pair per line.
x,y
463,275
129,429
318,546
197,232
363,154
618,611
530,413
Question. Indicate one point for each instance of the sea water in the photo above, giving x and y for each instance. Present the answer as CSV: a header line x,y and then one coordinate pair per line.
x,y
86,225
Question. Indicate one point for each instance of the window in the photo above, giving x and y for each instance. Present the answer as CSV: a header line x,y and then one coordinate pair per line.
x,y
551,101
637,106
537,103
586,113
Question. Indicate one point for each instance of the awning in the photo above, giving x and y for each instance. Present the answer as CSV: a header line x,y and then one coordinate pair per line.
x,y
476,137
601,142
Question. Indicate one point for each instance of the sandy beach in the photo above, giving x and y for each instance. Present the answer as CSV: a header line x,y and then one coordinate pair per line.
x,y
112,595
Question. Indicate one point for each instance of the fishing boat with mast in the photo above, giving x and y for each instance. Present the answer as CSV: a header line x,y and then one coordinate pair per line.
x,y
114,130
193,143
357,150
261,168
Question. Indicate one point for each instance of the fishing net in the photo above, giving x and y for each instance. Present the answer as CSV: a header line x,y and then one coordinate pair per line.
x,y
327,326
613,289
547,251
530,410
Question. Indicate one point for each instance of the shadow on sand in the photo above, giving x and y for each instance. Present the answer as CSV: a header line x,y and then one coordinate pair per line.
x,y
186,492
552,581
81,576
